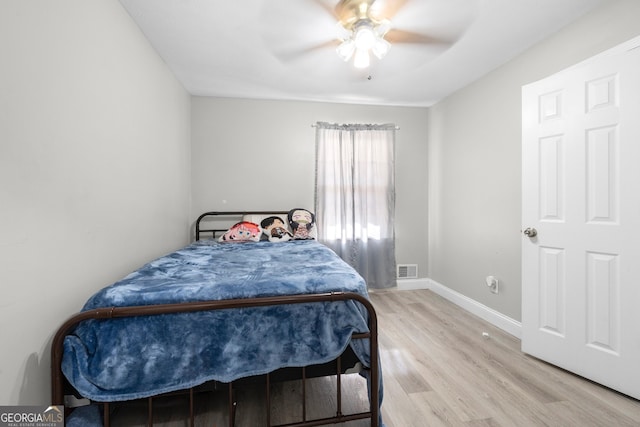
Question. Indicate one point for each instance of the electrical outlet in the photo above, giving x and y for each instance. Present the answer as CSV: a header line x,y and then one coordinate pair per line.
x,y
492,284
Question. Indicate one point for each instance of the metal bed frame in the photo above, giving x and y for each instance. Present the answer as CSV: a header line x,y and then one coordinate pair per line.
x,y
59,384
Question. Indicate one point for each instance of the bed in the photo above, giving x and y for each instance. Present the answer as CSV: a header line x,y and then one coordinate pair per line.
x,y
219,313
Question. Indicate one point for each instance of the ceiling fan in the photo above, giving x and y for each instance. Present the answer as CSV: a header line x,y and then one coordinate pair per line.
x,y
364,28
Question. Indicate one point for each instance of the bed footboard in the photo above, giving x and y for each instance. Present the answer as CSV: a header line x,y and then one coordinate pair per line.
x,y
58,381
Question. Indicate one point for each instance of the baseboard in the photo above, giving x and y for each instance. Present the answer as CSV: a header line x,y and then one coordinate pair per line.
x,y
492,316
412,284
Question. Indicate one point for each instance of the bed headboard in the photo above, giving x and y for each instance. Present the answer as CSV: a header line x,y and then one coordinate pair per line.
x,y
217,222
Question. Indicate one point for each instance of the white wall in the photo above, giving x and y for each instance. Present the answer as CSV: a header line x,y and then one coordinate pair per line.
x,y
94,170
474,152
250,154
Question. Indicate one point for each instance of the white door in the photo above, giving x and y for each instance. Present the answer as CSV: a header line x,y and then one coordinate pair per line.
x,y
581,194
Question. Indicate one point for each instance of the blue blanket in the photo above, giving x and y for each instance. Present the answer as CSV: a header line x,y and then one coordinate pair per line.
x,y
129,358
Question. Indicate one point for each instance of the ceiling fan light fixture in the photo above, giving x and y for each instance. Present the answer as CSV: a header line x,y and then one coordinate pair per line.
x,y
342,32
345,49
361,58
361,38
383,28
380,48
364,37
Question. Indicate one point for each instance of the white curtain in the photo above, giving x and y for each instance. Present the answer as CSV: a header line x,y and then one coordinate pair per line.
x,y
355,197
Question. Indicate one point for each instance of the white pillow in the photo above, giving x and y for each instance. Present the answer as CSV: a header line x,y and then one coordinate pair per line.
x,y
257,218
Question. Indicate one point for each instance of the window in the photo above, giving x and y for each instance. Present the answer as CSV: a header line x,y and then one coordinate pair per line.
x,y
355,197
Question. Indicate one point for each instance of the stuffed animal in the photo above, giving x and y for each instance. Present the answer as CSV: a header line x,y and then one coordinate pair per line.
x,y
275,229
303,224
243,231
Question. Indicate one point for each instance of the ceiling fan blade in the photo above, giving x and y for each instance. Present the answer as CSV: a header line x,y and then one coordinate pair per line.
x,y
297,53
401,36
387,9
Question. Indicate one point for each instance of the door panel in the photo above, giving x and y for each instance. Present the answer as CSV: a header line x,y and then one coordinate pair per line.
x,y
581,192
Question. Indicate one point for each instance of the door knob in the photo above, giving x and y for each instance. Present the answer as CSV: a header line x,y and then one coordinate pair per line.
x,y
530,232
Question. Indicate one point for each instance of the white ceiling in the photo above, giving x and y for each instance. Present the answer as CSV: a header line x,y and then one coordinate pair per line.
x,y
285,49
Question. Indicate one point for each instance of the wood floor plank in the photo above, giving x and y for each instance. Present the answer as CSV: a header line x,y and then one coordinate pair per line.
x,y
432,410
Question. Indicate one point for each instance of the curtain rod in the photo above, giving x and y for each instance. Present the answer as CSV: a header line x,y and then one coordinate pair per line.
x,y
394,126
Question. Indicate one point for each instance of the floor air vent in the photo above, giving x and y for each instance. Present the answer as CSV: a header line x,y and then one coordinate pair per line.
x,y
407,271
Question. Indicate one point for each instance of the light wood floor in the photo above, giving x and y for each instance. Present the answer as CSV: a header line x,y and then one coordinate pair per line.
x,y
441,371
440,368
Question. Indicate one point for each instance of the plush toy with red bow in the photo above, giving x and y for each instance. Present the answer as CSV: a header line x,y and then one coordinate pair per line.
x,y
243,231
